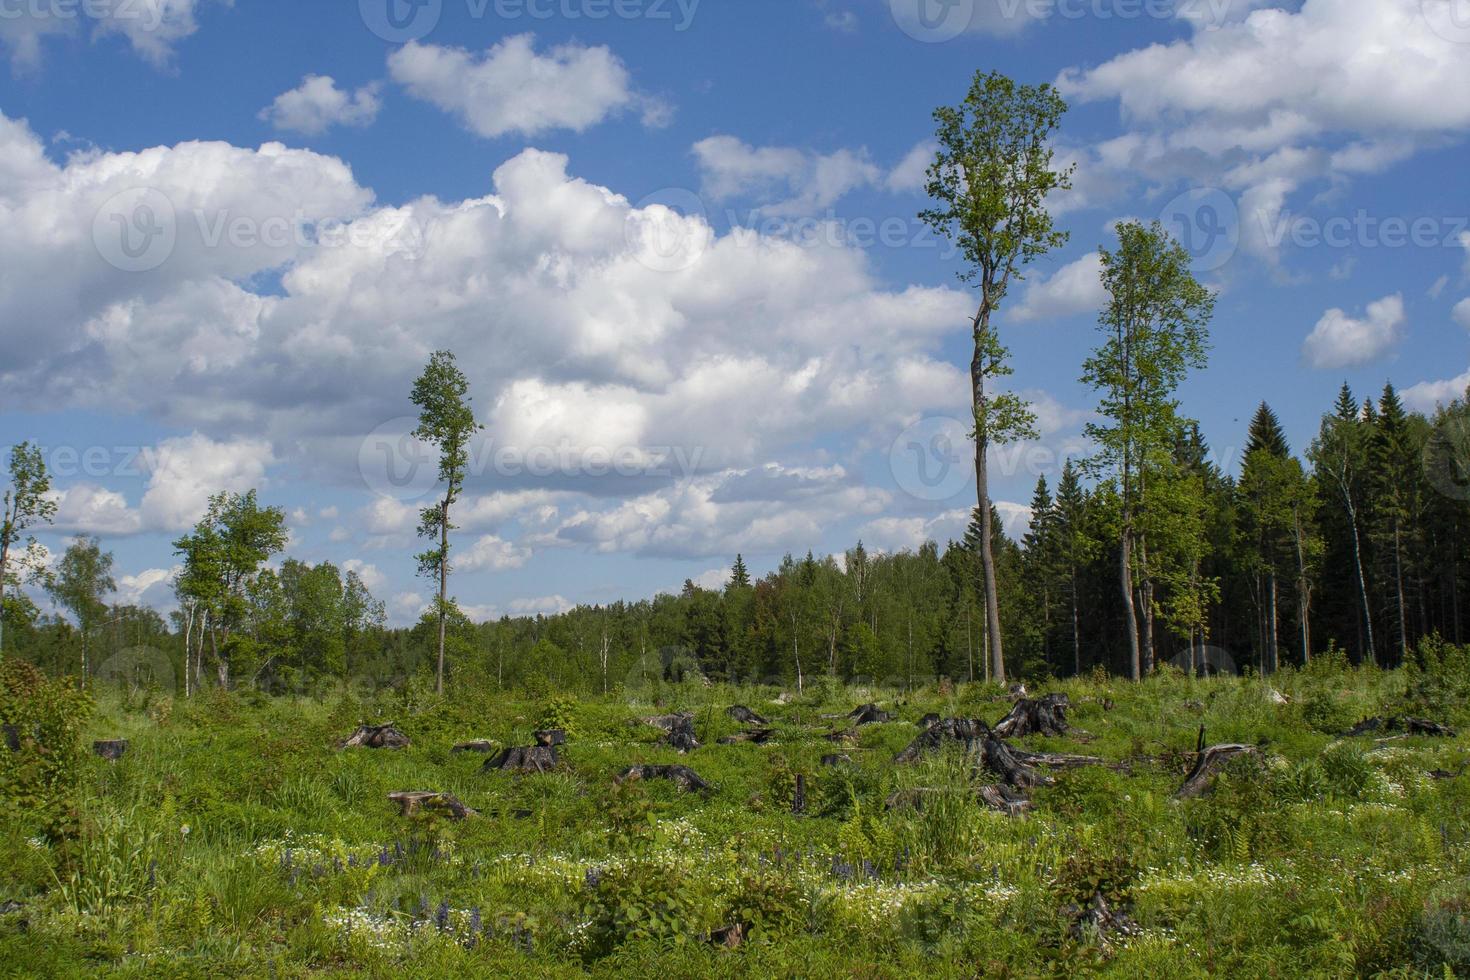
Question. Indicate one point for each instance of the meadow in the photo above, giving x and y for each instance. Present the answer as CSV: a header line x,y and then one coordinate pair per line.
x,y
235,838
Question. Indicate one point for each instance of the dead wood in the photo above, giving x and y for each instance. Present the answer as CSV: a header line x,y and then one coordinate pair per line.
x,y
550,737
682,776
836,760
110,749
667,722
1001,797
1404,724
744,715
1099,919
1208,762
681,735
412,802
535,758
759,736
375,737
1046,715
482,746
868,714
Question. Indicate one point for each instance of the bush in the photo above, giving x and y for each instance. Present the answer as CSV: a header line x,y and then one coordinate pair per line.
x,y
41,766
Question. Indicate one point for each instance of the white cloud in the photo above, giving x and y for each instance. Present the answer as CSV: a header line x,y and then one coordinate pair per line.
x,y
89,509
491,553
1426,396
912,172
317,104
513,89
792,182
152,27
188,470
1340,340
550,605
1461,313
151,587
1074,288
844,22
370,575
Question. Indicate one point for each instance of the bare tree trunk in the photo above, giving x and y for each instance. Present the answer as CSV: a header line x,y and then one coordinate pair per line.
x,y
443,590
1125,574
1146,596
796,652
1076,628
1272,639
982,494
1303,595
1358,567
1398,574
4,567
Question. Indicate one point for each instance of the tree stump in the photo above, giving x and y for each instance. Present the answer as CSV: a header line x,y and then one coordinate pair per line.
x,y
744,715
110,749
798,797
759,736
482,746
965,731
929,720
533,759
550,738
681,735
682,776
1000,797
1046,715
667,722
375,737
411,802
1405,725
868,714
1208,762
836,760
845,737
731,937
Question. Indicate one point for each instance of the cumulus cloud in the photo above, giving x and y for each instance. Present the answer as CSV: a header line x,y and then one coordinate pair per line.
x,y
151,587
1340,340
1074,288
152,27
1461,313
317,104
491,553
1426,396
513,89
86,508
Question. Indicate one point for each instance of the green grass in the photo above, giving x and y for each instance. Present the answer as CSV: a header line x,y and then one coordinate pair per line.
x,y
233,839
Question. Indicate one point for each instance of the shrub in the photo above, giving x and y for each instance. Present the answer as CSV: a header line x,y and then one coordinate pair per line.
x,y
41,766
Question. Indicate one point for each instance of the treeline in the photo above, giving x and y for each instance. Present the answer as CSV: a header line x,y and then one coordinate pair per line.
x,y
1358,543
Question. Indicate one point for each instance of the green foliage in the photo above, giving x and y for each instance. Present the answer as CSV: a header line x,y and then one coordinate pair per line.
x,y
642,900
41,770
1083,876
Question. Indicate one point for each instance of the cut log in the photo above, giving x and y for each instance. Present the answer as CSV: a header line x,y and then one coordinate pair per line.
x,y
375,737
1063,760
868,714
836,760
110,749
411,802
550,737
965,731
759,736
999,796
682,776
1045,715
482,746
744,715
536,758
1406,725
1208,762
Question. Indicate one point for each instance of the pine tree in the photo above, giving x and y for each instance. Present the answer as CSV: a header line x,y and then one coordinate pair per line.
x,y
739,575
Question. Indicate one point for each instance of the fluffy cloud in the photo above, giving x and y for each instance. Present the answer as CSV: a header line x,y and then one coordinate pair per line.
x,y
86,508
151,587
1074,288
513,89
491,553
1428,395
317,104
1340,340
186,471
1461,313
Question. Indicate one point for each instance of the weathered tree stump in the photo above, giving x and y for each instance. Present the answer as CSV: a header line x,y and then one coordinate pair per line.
x,y
868,714
1046,715
759,736
981,745
929,720
845,737
667,722
798,797
682,776
1017,692
1405,725
411,802
681,736
836,759
744,715
550,737
110,749
731,937
965,731
534,759
1446,774
1208,762
375,737
482,746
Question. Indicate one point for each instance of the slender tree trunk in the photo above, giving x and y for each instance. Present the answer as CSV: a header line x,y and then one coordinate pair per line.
x,y
221,666
969,646
796,653
982,492
1076,628
1272,639
1398,574
1362,579
1146,595
1125,576
4,567
443,590
1303,596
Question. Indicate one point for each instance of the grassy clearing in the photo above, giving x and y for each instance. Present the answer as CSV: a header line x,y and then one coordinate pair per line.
x,y
234,839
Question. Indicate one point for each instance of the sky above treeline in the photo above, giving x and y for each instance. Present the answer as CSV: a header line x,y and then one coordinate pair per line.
x,y
674,245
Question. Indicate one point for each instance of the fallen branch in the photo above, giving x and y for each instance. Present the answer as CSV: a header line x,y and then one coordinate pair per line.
x,y
744,715
411,802
685,778
1406,725
1208,762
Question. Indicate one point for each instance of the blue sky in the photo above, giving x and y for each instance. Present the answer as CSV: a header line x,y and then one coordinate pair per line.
x,y
673,246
